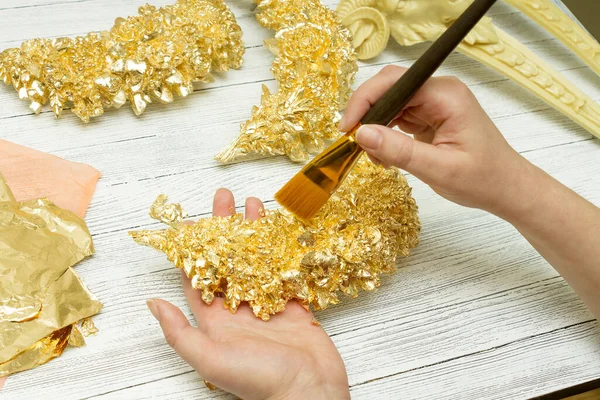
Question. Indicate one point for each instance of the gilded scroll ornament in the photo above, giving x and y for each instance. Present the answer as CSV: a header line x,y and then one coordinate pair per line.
x,y
314,67
357,236
415,21
155,55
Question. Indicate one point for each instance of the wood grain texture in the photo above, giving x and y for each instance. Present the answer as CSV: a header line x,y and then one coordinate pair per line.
x,y
474,312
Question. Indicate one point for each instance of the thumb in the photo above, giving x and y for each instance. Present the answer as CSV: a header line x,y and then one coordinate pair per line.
x,y
394,148
190,343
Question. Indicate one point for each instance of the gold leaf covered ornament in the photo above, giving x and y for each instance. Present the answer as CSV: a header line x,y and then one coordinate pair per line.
x,y
157,54
314,66
357,236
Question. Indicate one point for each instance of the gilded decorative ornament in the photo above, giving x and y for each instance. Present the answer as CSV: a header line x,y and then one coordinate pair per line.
x,y
314,66
155,55
414,21
358,236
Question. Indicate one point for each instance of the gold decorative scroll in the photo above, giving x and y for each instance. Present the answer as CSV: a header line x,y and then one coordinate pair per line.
x,y
414,21
314,67
157,54
357,236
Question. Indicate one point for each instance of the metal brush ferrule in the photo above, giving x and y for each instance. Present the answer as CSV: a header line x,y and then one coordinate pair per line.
x,y
330,167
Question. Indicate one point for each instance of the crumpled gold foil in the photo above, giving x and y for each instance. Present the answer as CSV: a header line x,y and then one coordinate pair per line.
x,y
80,331
5,192
87,327
357,236
154,55
314,66
76,338
41,296
39,353
38,243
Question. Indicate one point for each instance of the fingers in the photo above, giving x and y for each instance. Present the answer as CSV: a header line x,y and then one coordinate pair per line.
x,y
223,203
253,208
420,132
390,147
439,99
367,94
194,298
376,161
190,343
223,206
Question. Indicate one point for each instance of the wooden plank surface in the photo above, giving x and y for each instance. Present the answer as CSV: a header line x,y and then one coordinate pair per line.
x,y
475,312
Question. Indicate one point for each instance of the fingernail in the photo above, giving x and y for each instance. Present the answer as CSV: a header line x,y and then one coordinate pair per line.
x,y
368,137
342,122
153,307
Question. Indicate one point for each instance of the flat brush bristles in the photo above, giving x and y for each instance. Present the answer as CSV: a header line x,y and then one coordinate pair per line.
x,y
302,197
310,189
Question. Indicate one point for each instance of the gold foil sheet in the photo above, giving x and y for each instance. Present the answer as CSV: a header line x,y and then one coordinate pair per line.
x,y
39,353
314,67
5,192
357,236
76,338
155,55
38,243
41,296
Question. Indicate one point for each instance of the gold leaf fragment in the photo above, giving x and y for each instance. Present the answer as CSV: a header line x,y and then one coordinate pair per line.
x,y
76,337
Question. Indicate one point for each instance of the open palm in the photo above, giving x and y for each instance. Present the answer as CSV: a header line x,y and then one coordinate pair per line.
x,y
287,357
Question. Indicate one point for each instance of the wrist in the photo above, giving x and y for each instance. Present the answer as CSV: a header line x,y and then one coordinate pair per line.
x,y
521,191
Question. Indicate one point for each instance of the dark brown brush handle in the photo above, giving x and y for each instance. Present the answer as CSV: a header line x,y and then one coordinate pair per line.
x,y
398,96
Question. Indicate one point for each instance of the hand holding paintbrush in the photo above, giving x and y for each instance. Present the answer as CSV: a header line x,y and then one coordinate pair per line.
x,y
308,191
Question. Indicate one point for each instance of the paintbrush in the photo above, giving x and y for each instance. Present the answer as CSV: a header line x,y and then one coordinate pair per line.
x,y
309,190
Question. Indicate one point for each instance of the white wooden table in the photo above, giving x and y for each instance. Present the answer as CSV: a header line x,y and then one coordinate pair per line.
x,y
474,312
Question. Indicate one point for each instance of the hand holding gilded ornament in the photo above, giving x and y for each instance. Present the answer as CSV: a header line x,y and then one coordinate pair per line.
x,y
289,357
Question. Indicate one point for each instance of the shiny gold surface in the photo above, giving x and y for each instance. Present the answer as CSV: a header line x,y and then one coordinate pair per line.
x,y
41,296
357,236
155,55
314,66
38,243
39,353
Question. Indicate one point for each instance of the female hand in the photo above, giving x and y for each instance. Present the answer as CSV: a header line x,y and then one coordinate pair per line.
x,y
287,357
459,152
457,149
